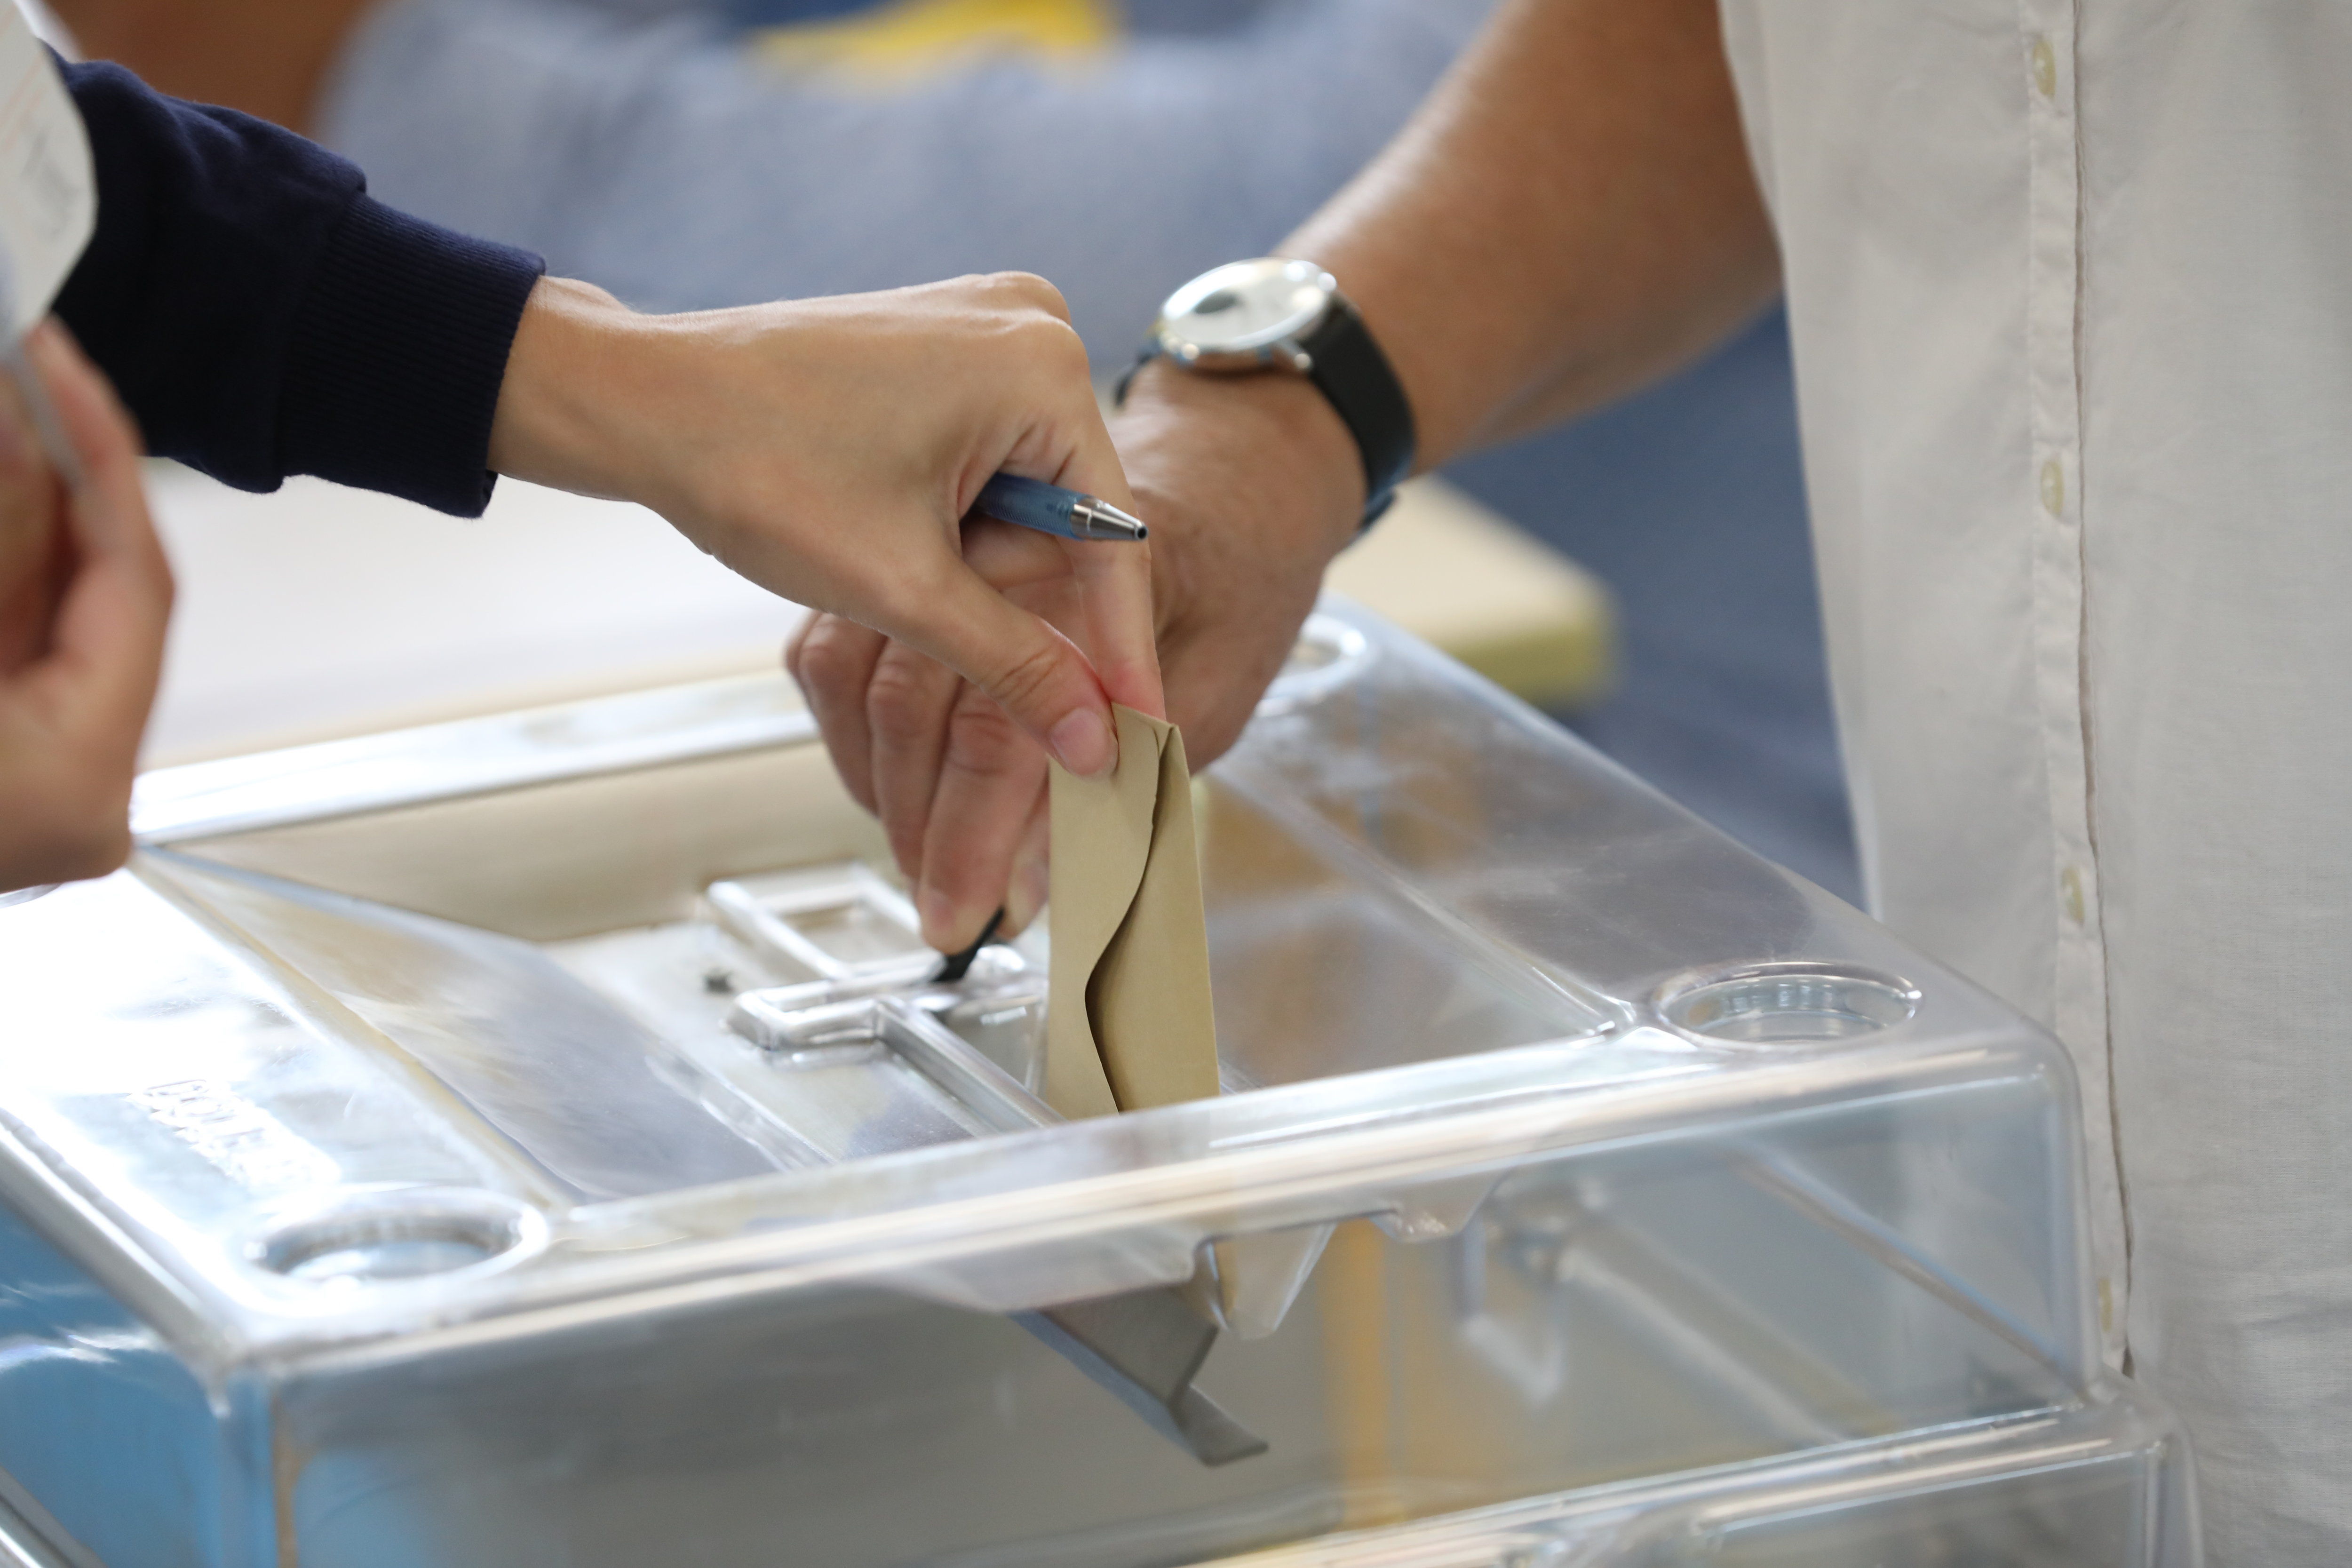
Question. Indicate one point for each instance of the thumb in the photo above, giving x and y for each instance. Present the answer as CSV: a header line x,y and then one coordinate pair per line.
x,y
1031,671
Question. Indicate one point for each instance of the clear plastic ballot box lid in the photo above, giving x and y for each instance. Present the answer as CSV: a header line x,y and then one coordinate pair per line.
x,y
539,1140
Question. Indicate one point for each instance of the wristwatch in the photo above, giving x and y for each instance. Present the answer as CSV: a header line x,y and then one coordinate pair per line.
x,y
1282,314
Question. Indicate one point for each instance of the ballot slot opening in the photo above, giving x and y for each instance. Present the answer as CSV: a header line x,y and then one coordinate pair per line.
x,y
863,929
1789,1004
382,1237
840,922
809,1058
876,1074
993,969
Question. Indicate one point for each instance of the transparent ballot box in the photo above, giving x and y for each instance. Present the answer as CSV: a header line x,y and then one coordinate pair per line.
x,y
541,1140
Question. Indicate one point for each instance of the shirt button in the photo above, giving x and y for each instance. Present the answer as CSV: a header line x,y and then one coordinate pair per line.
x,y
2045,66
2069,885
2053,488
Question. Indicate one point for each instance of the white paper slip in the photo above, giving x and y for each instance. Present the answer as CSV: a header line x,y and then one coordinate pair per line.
x,y
49,191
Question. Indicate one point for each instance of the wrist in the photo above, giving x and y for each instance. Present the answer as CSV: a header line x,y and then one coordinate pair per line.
x,y
1266,428
553,424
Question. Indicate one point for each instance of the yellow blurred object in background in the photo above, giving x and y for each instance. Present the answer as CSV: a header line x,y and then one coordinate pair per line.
x,y
1454,573
914,36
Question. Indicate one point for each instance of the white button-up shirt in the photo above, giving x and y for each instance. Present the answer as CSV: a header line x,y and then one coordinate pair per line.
x,y
2070,286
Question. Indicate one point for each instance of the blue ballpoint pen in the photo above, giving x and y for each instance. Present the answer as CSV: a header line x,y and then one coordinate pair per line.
x,y
1050,508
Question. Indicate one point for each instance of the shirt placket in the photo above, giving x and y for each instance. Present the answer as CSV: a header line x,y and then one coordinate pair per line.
x,y
2056,509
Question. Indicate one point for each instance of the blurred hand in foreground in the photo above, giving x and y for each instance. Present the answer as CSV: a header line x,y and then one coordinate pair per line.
x,y
828,450
34,552
88,603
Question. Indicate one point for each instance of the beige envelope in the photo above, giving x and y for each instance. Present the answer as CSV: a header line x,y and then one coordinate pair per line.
x,y
1129,1023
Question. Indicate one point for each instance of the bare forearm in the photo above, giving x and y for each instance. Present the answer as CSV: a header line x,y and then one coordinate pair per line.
x,y
1573,214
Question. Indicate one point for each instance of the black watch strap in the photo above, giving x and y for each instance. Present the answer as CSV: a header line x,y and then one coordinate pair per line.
x,y
1355,378
1348,366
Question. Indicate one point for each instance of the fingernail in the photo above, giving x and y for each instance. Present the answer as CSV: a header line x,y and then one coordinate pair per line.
x,y
942,926
1083,744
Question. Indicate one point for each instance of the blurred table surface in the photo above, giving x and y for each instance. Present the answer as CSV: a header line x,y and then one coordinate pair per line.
x,y
318,611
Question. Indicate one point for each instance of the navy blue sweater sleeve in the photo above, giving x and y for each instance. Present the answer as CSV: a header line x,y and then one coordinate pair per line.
x,y
263,316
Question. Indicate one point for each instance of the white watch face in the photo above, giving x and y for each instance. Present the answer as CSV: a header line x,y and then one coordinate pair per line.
x,y
1243,308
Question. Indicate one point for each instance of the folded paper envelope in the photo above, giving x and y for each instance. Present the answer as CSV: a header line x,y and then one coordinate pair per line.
x,y
1129,1023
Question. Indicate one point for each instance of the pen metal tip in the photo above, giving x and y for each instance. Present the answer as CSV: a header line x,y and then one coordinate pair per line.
x,y
1104,521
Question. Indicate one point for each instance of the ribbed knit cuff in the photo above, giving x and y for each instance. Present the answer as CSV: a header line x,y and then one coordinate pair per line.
x,y
400,347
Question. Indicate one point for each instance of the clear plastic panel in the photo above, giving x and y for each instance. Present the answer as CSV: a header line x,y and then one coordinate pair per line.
x,y
581,1164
